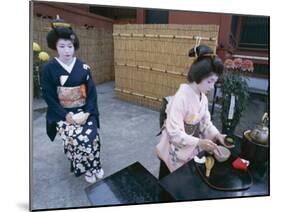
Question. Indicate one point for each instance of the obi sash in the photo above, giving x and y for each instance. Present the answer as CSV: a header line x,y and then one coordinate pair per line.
x,y
71,97
192,129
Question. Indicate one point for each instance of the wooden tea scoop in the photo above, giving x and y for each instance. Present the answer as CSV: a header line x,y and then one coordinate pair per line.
x,y
210,161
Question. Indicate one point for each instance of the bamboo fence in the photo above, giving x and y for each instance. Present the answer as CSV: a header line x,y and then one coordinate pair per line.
x,y
151,60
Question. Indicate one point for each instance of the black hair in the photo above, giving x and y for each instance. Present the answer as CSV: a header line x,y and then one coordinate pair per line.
x,y
204,65
61,30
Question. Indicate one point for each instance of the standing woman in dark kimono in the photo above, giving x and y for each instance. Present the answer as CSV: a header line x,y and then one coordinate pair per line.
x,y
71,97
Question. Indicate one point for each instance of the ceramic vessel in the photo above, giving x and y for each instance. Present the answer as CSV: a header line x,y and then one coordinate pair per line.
x,y
222,154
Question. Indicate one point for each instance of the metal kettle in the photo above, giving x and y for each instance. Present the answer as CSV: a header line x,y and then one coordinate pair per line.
x,y
260,133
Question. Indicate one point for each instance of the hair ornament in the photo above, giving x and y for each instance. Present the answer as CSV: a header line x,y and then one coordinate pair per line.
x,y
197,43
60,23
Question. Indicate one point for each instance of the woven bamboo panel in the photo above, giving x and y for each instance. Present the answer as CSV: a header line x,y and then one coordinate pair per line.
x,y
151,60
96,47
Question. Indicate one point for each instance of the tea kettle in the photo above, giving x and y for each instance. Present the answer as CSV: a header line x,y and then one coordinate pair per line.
x,y
260,134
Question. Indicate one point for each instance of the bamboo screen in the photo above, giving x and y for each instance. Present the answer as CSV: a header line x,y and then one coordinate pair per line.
x,y
96,47
151,60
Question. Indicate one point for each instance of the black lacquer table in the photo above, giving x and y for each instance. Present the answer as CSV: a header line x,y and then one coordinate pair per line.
x,y
186,184
136,185
131,185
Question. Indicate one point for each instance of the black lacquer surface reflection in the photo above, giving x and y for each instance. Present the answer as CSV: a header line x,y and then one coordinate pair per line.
x,y
131,185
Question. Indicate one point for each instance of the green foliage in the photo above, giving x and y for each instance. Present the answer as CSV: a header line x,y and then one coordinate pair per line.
x,y
39,57
233,84
36,75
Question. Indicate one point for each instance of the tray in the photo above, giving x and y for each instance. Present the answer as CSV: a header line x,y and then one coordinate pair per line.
x,y
224,177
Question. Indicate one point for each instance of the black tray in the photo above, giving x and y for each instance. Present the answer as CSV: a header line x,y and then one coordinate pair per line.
x,y
224,177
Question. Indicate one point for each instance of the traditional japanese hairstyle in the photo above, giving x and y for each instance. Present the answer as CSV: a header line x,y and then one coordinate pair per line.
x,y
61,29
205,64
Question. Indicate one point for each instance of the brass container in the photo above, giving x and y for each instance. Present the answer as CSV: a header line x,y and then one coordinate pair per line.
x,y
260,134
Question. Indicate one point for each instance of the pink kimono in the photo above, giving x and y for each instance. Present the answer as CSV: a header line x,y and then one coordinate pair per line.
x,y
176,147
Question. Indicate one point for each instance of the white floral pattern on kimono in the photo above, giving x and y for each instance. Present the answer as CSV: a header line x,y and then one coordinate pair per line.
x,y
81,146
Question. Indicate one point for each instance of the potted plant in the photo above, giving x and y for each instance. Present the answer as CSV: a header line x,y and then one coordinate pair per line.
x,y
235,92
39,57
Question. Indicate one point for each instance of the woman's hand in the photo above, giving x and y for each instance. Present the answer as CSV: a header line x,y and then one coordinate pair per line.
x,y
207,145
69,118
80,118
220,138
86,116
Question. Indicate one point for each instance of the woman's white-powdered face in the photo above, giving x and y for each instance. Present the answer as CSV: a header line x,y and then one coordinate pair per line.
x,y
207,84
65,49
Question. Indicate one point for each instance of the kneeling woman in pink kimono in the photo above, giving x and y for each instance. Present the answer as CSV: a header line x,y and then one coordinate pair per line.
x,y
188,128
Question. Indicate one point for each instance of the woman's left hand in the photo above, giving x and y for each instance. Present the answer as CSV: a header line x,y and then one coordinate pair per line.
x,y
86,116
220,138
82,120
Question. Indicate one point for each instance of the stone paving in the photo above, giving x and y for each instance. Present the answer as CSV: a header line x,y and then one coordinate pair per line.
x,y
127,135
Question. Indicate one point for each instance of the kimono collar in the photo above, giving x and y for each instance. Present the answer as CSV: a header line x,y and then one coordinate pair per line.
x,y
68,68
196,92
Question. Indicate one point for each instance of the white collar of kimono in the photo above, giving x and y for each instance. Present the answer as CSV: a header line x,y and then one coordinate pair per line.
x,y
68,68
197,93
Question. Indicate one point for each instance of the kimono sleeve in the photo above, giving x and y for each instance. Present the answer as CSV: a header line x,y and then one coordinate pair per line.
x,y
207,128
175,123
92,100
49,90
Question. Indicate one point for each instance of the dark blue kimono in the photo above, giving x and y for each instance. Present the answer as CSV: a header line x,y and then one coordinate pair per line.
x,y
52,71
81,142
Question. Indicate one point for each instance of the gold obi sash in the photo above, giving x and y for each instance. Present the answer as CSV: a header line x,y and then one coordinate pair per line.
x,y
71,97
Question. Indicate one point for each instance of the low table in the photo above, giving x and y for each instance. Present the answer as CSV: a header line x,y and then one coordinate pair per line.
x,y
186,184
131,185
135,185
